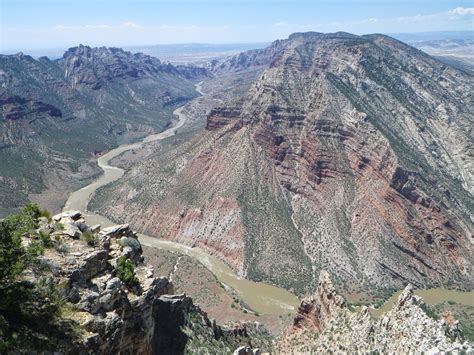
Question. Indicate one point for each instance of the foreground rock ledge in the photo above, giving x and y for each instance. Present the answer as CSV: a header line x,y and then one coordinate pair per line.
x,y
111,317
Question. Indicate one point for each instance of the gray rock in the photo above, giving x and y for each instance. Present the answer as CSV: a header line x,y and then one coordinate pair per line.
x,y
116,231
243,350
73,295
132,243
83,227
74,215
71,230
95,228
114,283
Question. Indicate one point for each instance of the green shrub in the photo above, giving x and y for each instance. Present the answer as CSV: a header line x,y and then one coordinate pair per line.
x,y
13,255
59,226
29,312
45,239
22,223
89,237
34,250
430,312
125,271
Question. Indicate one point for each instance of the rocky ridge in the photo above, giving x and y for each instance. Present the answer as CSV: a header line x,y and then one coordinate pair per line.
x,y
112,315
325,323
94,67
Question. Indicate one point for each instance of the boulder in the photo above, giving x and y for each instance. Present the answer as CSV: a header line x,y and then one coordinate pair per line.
x,y
74,215
121,230
72,230
131,248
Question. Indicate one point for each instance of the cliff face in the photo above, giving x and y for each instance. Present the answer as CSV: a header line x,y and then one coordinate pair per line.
x,y
325,324
349,153
69,287
370,137
108,312
52,113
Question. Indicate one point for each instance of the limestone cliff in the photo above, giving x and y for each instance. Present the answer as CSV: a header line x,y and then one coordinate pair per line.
x,y
325,324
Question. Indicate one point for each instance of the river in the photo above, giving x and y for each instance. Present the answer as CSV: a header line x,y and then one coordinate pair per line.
x,y
431,296
261,297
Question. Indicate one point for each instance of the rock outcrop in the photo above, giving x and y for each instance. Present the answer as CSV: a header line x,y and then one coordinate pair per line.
x,y
325,324
110,314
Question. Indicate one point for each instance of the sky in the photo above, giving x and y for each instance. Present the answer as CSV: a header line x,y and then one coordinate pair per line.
x,y
41,24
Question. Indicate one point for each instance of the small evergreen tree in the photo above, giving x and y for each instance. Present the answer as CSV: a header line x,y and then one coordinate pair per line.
x,y
125,271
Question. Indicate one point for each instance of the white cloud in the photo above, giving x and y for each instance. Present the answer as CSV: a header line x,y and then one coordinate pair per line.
x,y
462,11
103,26
453,19
132,25
456,14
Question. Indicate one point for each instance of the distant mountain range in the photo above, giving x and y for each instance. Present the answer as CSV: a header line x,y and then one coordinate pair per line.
x,y
56,114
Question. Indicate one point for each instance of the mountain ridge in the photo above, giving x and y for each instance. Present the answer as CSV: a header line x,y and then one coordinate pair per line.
x,y
54,112
351,152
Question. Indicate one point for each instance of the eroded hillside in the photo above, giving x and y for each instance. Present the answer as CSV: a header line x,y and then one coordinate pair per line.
x,y
350,154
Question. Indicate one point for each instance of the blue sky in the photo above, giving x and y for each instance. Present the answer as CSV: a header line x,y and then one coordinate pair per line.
x,y
33,24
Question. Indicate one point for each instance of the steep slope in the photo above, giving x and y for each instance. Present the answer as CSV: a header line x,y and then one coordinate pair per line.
x,y
350,154
57,114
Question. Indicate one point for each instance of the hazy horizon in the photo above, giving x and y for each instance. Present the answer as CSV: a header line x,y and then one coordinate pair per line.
x,y
30,25
56,52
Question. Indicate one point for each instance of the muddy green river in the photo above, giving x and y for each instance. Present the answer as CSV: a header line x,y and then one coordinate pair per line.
x,y
431,296
261,297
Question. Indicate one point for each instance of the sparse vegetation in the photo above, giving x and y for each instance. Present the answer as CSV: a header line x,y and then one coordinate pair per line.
x,y
89,237
125,271
45,239
29,312
430,312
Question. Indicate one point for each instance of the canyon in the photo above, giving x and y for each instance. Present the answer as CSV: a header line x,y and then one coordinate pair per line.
x,y
291,190
105,309
348,153
58,115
